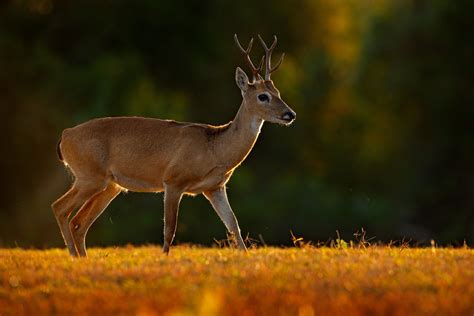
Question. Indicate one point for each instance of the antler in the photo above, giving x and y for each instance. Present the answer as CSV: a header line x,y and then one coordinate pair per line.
x,y
246,53
268,57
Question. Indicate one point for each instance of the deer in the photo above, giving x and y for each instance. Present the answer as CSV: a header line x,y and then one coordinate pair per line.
x,y
113,154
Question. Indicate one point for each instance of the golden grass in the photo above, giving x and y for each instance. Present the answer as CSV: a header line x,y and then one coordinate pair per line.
x,y
268,281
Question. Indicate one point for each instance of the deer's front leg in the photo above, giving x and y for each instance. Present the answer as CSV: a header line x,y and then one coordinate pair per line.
x,y
220,203
172,199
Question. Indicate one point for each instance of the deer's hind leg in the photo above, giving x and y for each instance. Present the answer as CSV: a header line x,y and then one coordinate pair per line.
x,y
80,192
88,213
172,199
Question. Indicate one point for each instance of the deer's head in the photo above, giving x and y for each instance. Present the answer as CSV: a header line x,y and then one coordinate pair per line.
x,y
260,95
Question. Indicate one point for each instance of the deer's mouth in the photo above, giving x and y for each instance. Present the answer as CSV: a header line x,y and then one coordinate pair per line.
x,y
288,118
285,122
288,123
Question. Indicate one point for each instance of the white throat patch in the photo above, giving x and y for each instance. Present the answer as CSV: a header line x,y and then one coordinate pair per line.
x,y
256,125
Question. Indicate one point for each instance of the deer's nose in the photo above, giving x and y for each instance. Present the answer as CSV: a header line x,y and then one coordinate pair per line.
x,y
289,116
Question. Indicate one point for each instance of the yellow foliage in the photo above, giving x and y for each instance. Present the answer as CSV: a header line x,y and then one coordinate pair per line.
x,y
203,281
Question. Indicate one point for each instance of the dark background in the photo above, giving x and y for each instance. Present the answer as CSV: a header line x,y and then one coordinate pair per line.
x,y
383,91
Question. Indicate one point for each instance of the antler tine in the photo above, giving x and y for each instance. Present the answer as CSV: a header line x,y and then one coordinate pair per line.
x,y
268,57
246,53
260,64
278,63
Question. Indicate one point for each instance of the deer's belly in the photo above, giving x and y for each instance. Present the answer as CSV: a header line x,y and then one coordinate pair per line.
x,y
137,184
214,179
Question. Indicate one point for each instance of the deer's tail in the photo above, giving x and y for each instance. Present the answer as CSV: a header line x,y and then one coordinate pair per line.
x,y
58,150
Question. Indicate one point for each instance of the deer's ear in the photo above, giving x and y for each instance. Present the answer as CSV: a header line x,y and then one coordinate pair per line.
x,y
241,79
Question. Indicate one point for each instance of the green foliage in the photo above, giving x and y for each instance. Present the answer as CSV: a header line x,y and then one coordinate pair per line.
x,y
382,91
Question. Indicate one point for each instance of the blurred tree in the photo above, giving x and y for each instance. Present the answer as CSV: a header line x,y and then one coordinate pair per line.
x,y
415,77
383,138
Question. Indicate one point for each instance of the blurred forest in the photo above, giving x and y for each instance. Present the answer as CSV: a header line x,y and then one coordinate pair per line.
x,y
383,91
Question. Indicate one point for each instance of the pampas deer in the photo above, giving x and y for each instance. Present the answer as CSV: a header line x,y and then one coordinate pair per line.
x,y
113,154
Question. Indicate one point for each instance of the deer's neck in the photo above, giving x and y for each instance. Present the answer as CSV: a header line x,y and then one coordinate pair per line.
x,y
238,140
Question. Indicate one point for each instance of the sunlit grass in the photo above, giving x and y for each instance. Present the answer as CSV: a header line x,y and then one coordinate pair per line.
x,y
213,281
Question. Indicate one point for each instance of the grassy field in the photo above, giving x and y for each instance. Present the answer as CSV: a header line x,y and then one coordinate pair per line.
x,y
213,281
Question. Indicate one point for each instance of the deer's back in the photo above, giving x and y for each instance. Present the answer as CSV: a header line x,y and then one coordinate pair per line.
x,y
131,148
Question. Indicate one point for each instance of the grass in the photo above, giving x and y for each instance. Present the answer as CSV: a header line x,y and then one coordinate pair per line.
x,y
213,281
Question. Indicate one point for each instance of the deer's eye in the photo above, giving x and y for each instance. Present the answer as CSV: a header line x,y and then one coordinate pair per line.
x,y
263,97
